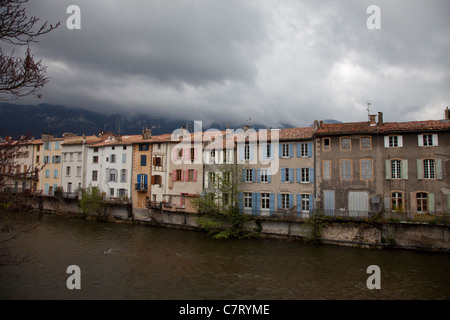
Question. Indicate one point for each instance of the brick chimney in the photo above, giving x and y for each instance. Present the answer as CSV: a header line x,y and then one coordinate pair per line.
x,y
447,114
372,119
146,133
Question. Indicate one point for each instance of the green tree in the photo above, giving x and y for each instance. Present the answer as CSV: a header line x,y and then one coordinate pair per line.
x,y
91,202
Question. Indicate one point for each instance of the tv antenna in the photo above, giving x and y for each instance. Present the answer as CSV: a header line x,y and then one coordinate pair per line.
x,y
368,110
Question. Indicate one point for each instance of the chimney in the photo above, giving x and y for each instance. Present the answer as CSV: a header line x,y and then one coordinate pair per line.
x,y
146,133
447,114
316,125
245,127
380,118
372,119
47,136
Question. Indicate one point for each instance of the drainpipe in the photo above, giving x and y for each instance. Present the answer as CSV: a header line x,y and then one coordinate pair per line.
x,y
315,173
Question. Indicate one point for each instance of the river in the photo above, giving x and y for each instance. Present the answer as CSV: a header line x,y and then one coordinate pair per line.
x,y
126,261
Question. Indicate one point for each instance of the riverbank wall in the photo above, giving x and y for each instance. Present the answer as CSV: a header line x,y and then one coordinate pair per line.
x,y
354,233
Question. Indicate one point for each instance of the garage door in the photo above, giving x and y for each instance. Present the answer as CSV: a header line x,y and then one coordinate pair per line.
x,y
358,204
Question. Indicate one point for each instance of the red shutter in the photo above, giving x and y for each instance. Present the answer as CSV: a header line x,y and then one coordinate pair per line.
x,y
174,175
187,175
195,175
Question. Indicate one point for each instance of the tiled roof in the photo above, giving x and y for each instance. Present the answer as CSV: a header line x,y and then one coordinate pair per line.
x,y
387,127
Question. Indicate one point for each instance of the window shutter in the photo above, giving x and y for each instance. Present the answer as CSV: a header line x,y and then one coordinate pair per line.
x,y
269,176
405,169
291,201
271,151
241,202
258,173
272,203
145,179
154,161
387,204
186,174
420,140
174,175
182,175
195,175
252,152
400,141
299,203
243,175
152,180
143,160
280,153
298,179
291,150
253,175
283,175
291,174
299,148
386,141
435,139
279,200
241,152
419,169
255,203
310,149
413,202
438,169
388,169
195,153
311,203
311,174
431,202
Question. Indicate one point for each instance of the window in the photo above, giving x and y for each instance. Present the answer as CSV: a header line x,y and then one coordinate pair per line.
x,y
366,169
346,170
56,159
303,149
113,158
393,141
47,145
396,169
112,175
327,170
95,159
345,143
226,156
124,158
55,173
247,151
397,202
192,154
284,201
366,142
285,150
144,147
428,140
212,155
265,200
156,179
305,202
211,179
124,147
94,175
247,200
57,145
190,176
225,199
305,175
286,175
179,175
157,161
248,175
69,187
227,177
428,169
422,201
111,192
268,151
95,149
78,156
122,193
68,171
47,173
264,175
123,175
326,142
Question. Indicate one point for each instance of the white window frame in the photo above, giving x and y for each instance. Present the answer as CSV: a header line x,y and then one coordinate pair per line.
x,y
265,201
247,200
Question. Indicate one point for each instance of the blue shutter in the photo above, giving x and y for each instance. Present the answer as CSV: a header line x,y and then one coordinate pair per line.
x,y
241,202
291,150
283,175
311,203
311,174
258,173
54,188
291,201
145,179
252,151
272,203
143,160
243,175
299,148
269,176
279,200
46,187
139,180
310,149
291,174
299,175
280,147
241,152
253,175
255,203
299,204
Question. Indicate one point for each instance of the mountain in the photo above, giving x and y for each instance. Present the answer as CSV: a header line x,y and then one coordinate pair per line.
x,y
16,120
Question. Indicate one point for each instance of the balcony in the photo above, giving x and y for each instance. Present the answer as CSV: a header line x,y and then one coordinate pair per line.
x,y
140,187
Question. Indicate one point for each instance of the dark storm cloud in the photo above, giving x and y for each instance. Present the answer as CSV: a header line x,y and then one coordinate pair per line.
x,y
274,61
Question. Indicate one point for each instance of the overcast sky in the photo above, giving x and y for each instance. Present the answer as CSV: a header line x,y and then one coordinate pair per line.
x,y
229,60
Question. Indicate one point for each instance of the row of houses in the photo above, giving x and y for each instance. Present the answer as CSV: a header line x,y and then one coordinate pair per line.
x,y
354,169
